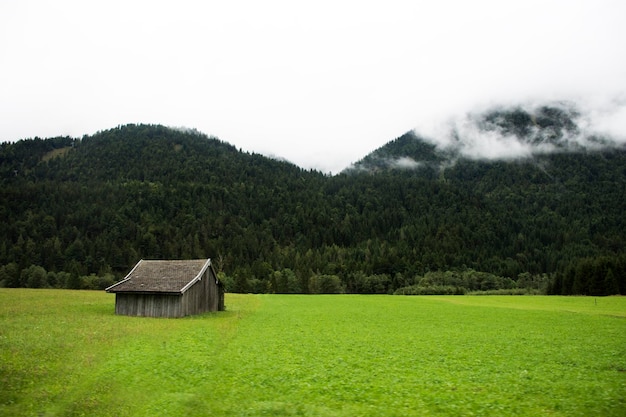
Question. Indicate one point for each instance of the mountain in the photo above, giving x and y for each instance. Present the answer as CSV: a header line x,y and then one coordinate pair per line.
x,y
409,151
414,216
500,133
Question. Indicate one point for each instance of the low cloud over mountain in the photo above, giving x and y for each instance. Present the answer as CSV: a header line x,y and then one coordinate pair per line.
x,y
506,133
520,131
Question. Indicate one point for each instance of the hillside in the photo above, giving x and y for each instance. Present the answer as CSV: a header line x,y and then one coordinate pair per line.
x,y
412,215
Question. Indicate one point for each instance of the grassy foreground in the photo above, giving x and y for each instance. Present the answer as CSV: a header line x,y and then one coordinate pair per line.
x,y
64,353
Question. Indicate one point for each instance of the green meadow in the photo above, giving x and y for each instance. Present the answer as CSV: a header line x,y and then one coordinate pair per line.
x,y
65,353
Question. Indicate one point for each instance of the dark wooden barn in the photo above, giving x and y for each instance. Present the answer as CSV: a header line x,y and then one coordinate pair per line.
x,y
169,289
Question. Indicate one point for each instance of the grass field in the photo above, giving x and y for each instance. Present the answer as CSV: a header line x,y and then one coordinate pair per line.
x,y
64,353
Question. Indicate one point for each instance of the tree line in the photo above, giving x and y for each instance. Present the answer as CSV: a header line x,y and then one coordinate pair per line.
x,y
86,210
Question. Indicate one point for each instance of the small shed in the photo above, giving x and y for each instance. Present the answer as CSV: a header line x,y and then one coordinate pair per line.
x,y
169,289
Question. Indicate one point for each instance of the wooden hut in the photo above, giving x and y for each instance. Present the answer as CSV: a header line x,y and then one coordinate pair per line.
x,y
169,289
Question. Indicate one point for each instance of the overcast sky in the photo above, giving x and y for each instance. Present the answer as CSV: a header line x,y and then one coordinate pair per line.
x,y
320,83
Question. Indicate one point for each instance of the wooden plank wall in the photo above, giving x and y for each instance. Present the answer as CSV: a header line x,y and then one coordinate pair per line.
x,y
192,299
202,297
148,305
216,293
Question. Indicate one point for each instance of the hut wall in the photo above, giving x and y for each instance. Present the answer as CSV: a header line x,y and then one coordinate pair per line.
x,y
194,299
215,292
203,296
148,305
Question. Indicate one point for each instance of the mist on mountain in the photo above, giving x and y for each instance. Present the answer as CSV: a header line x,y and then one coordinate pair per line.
x,y
503,133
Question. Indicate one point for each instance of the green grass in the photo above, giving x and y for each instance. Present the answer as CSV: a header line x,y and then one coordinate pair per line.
x,y
64,353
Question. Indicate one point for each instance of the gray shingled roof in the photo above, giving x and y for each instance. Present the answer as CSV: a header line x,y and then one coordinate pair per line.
x,y
161,276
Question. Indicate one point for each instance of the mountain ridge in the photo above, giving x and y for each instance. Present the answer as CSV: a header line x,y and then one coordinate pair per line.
x,y
92,207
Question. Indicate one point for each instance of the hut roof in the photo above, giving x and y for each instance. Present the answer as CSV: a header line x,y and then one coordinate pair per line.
x,y
150,276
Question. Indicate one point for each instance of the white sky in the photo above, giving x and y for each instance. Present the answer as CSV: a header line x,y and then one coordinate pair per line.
x,y
320,83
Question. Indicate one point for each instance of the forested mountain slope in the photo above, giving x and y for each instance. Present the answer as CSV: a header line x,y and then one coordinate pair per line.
x,y
81,213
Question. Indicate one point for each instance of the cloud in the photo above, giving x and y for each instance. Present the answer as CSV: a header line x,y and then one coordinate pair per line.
x,y
515,131
606,118
476,143
404,163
